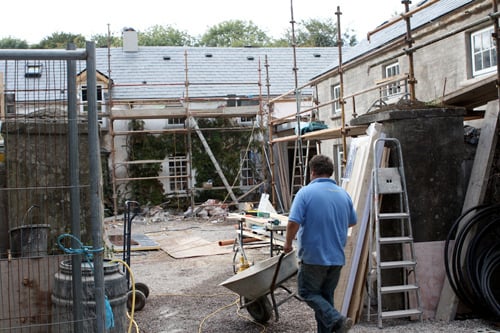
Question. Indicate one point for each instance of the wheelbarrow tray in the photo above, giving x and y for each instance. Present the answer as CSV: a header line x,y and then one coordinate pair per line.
x,y
257,280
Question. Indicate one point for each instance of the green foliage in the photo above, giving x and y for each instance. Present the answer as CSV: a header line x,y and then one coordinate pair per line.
x,y
104,40
60,40
235,33
226,147
317,33
13,43
158,35
144,146
232,33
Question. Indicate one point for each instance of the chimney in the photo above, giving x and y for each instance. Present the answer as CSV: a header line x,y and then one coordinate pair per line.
x,y
130,42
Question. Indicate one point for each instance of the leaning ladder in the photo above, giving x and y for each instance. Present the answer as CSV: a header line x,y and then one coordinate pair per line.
x,y
393,236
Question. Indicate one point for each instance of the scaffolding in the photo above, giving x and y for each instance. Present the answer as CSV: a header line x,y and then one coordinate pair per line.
x,y
182,116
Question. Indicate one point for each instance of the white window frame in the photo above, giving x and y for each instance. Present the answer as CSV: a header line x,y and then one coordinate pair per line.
x,y
249,168
392,89
248,120
338,156
335,94
33,70
483,52
176,122
177,167
101,107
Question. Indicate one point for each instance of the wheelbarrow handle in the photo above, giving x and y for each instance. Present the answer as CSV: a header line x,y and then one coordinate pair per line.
x,y
276,271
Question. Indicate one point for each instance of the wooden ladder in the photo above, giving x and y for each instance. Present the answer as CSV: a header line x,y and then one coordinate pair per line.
x,y
299,169
394,248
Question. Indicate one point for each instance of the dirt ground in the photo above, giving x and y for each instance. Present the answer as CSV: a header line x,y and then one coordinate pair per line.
x,y
185,296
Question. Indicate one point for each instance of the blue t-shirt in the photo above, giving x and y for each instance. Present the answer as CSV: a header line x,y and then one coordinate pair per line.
x,y
324,212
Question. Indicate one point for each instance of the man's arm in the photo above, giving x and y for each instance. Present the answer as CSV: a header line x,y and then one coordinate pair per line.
x,y
291,231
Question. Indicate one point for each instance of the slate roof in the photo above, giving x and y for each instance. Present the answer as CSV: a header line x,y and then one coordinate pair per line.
x,y
419,19
157,72
212,72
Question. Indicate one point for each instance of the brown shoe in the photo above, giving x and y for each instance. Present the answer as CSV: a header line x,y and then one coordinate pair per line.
x,y
345,326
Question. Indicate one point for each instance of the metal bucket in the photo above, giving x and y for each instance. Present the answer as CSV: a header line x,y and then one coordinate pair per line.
x,y
29,240
115,288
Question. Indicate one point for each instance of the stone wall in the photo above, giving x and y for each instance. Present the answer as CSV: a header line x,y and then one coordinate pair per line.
x,y
37,176
432,143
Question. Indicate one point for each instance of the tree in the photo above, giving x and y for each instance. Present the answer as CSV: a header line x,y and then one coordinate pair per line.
x,y
13,43
317,33
104,40
60,40
235,33
158,35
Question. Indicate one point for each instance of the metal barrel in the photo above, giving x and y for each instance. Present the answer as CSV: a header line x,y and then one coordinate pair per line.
x,y
116,289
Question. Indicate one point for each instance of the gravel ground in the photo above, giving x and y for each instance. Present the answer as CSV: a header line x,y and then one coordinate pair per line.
x,y
185,296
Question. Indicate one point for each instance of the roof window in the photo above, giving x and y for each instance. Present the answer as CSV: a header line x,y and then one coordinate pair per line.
x,y
33,70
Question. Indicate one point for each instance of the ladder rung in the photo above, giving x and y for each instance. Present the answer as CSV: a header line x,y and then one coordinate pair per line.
x,y
398,289
401,313
393,216
395,240
397,264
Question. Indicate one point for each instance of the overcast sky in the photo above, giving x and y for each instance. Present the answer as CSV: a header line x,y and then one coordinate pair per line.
x,y
34,20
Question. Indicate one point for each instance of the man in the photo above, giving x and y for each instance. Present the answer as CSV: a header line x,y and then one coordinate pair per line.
x,y
320,215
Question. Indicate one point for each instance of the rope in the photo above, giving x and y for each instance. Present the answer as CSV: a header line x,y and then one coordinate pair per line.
x,y
88,253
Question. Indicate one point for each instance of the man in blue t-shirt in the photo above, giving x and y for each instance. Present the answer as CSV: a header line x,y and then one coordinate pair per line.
x,y
320,215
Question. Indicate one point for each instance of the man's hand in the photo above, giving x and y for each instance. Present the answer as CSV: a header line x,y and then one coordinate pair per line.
x,y
287,248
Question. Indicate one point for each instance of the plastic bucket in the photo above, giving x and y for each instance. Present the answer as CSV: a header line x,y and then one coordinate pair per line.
x,y
29,240
115,289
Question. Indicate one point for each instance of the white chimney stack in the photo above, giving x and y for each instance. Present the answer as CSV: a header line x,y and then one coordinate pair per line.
x,y
130,41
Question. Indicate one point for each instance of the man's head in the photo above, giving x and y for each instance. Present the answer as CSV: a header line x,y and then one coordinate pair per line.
x,y
321,166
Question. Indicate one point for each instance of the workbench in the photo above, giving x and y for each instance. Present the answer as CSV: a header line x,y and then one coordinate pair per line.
x,y
264,228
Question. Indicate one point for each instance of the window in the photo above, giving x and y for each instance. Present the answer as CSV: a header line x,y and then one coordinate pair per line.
x,y
484,58
250,168
392,89
84,93
338,156
177,122
10,102
178,173
247,120
335,92
100,99
33,71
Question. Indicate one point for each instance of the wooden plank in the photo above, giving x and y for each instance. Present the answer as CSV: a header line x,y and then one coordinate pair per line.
x,y
357,186
476,190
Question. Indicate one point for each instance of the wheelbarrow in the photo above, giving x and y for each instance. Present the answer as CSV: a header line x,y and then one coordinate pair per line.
x,y
255,283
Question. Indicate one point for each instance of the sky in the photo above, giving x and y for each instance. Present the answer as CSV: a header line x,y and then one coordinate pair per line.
x,y
33,20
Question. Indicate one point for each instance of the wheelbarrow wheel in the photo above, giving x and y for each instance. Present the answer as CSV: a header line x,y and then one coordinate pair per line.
x,y
142,287
261,309
140,300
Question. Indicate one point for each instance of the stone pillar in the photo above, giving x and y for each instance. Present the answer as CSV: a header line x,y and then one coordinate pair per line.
x,y
432,143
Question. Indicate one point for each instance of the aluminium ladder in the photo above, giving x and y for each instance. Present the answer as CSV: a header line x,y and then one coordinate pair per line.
x,y
395,253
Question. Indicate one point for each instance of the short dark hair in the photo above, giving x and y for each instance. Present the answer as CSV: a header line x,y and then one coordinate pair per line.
x,y
321,165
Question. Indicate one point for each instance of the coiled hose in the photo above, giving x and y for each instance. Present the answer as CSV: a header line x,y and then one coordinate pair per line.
x,y
472,260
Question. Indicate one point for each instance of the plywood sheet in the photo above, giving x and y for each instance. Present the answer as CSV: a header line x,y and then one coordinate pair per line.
x,y
189,246
349,288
